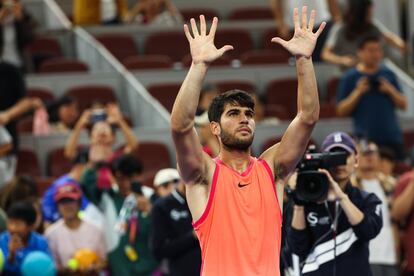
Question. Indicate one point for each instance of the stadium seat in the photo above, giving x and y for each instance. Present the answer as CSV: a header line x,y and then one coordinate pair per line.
x,y
332,87
244,85
62,65
189,13
57,163
86,95
239,38
43,183
148,62
173,44
222,61
268,44
27,163
408,139
42,93
44,48
154,156
283,92
257,57
251,13
327,110
25,125
165,93
120,45
276,110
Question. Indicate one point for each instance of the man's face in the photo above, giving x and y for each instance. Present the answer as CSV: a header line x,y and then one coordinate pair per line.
x,y
68,208
344,172
236,128
371,54
19,228
102,134
165,189
124,182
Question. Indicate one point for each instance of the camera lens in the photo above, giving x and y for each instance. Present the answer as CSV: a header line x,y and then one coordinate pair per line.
x,y
312,186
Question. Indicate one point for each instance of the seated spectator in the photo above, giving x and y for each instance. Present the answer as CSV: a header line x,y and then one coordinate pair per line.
x,y
49,208
16,32
402,212
165,181
358,24
102,135
71,233
63,115
96,12
126,170
20,238
208,140
155,12
387,162
7,162
368,88
383,248
173,237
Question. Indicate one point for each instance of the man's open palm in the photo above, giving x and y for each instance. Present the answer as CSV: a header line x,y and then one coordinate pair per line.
x,y
304,40
202,45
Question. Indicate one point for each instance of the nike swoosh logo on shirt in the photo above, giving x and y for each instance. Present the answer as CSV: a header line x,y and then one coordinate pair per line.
x,y
243,185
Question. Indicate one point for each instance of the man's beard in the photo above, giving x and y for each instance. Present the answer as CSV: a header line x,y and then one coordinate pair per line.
x,y
232,143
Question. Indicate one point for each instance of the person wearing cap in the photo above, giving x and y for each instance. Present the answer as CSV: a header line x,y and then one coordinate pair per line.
x,y
165,182
332,237
402,212
173,237
71,233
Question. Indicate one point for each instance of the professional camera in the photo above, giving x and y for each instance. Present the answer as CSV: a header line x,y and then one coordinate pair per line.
x,y
312,185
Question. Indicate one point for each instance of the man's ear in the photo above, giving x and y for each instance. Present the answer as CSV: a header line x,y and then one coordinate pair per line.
x,y
215,128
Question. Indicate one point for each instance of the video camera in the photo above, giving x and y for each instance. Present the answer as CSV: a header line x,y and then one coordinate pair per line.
x,y
312,185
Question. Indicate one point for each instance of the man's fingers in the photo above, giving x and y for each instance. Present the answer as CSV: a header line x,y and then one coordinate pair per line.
x,y
202,25
296,18
279,41
194,27
224,49
312,20
321,27
213,28
304,17
187,33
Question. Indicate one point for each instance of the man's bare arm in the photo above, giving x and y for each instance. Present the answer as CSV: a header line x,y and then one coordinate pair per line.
x,y
190,157
284,156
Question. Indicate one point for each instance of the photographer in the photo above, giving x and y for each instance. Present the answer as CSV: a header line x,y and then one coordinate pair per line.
x,y
331,236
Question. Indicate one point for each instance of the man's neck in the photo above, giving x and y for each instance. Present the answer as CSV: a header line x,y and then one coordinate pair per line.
x,y
235,159
73,223
367,174
363,68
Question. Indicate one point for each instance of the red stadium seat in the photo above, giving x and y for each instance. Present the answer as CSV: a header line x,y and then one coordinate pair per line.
x,y
266,41
25,125
332,87
43,49
222,61
239,38
42,93
165,93
120,45
154,156
227,85
283,92
43,183
148,62
27,163
86,95
189,13
257,57
278,111
251,13
57,163
173,44
62,65
408,139
327,110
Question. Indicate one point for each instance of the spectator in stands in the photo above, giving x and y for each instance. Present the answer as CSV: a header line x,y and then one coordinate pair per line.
x,y
342,45
207,138
402,212
96,12
383,248
173,237
326,10
7,162
126,170
165,181
102,135
371,94
387,162
20,239
49,208
16,32
155,12
208,92
71,233
63,114
260,112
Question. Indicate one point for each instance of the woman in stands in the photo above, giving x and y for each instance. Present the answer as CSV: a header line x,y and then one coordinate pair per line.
x,y
160,12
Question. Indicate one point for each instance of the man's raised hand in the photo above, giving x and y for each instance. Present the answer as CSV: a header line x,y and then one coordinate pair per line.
x,y
203,50
304,39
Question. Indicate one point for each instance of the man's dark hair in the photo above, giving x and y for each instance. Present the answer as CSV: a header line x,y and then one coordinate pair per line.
x,y
127,165
236,97
364,41
22,210
387,153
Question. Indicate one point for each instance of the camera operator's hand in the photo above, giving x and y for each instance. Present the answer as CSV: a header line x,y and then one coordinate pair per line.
x,y
335,192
